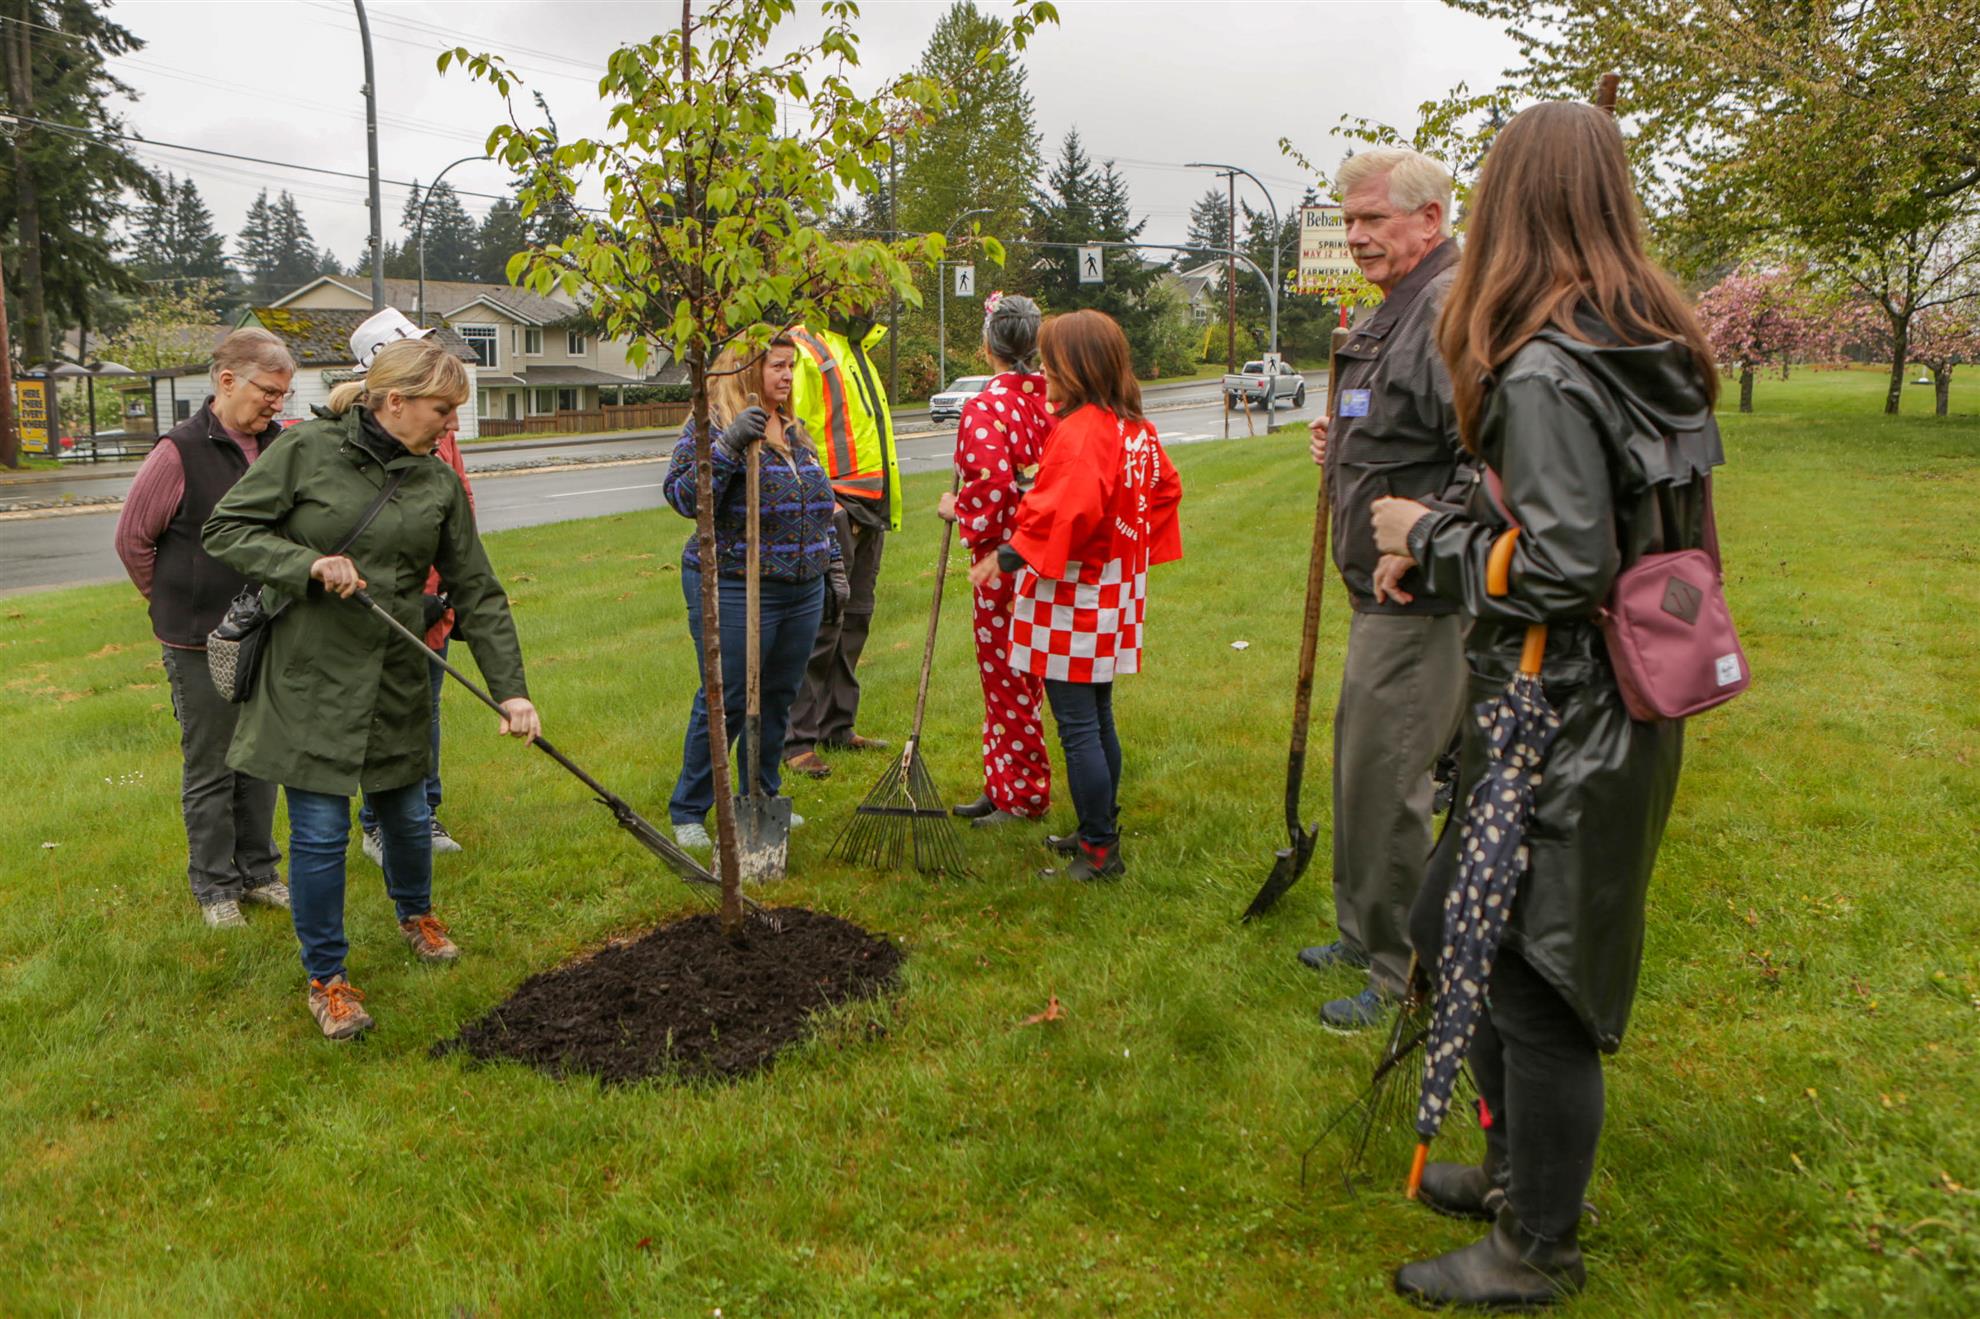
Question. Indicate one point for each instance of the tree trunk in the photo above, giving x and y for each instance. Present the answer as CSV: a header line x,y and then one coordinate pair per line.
x,y
1942,388
35,344
1900,349
726,858
1746,389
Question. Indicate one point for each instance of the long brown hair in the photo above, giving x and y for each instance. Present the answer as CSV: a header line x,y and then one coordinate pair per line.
x,y
1554,225
738,373
1087,357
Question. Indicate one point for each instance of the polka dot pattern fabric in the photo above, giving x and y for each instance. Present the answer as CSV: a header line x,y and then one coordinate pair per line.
x,y
1017,770
999,444
1519,726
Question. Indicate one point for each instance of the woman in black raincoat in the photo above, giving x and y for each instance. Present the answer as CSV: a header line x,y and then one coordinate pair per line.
x,y
1582,379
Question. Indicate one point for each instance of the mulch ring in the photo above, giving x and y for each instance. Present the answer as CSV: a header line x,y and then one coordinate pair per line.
x,y
683,1001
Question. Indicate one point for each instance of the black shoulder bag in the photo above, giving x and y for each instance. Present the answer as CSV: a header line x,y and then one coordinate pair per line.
x,y
233,649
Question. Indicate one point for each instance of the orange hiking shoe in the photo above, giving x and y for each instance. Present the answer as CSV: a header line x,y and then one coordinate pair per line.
x,y
428,938
335,1007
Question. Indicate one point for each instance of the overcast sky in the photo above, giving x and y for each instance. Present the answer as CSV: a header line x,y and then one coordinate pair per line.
x,y
1149,83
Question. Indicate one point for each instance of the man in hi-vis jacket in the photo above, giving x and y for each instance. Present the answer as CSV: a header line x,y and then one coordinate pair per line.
x,y
837,393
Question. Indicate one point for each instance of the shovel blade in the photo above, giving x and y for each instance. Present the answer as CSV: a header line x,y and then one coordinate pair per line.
x,y
763,837
1288,864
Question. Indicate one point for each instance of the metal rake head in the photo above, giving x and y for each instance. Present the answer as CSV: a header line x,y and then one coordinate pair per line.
x,y
903,819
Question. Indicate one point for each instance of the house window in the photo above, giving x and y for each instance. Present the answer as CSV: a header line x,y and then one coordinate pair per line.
x,y
182,409
481,338
574,343
542,401
567,400
532,341
1198,312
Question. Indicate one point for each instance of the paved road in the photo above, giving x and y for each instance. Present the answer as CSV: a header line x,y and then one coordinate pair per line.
x,y
74,549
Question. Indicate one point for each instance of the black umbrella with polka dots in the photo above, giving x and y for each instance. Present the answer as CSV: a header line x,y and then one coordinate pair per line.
x,y
1518,725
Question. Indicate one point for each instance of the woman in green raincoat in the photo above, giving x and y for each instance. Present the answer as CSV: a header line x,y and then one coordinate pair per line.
x,y
341,703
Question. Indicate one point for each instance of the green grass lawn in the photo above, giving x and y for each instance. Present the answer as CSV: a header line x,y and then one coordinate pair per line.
x,y
1792,1126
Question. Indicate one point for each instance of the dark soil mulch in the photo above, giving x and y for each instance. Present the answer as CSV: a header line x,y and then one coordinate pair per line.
x,y
683,1000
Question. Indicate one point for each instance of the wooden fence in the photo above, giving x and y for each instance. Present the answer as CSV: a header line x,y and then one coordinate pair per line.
x,y
608,417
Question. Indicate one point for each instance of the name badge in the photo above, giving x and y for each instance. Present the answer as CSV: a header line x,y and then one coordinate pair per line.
x,y
1354,402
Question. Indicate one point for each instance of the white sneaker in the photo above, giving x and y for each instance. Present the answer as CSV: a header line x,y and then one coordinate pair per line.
x,y
222,915
442,840
692,835
272,894
374,846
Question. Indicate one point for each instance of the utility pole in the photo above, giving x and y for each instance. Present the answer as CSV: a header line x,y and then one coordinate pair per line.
x,y
942,302
10,440
371,148
1230,279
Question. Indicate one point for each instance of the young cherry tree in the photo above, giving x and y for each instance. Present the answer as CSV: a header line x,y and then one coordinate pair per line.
x,y
1942,338
1756,319
718,170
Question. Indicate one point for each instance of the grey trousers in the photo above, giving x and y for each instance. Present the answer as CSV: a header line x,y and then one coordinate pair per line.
x,y
1401,697
230,817
828,702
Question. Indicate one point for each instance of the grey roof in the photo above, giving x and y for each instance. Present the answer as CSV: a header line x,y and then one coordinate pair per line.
x,y
321,336
444,297
572,375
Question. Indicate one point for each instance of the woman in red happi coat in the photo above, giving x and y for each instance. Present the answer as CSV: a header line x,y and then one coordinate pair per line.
x,y
998,447
1101,512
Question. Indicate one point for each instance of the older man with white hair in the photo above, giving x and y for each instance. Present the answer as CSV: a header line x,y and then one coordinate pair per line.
x,y
1390,429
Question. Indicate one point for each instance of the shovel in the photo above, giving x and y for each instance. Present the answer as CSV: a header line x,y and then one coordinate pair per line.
x,y
1290,862
678,860
763,822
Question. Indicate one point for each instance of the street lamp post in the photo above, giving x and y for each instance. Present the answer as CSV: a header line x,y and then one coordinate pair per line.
x,y
1278,247
371,148
942,302
419,234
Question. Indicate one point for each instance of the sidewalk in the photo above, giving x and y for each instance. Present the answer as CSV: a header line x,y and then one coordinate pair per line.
x,y
911,423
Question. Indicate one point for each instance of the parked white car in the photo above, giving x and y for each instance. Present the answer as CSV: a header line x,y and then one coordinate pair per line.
x,y
948,405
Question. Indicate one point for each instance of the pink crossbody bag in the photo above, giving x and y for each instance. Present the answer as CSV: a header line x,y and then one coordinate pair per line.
x,y
1668,629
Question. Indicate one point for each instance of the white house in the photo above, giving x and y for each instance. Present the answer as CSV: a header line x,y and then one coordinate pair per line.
x,y
320,341
536,353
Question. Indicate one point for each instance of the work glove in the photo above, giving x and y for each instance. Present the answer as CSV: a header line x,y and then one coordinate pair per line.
x,y
838,589
745,429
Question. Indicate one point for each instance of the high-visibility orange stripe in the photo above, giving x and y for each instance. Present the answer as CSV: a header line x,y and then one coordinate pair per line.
x,y
838,421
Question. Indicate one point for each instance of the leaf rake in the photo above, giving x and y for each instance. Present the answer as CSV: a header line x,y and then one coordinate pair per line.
x,y
903,818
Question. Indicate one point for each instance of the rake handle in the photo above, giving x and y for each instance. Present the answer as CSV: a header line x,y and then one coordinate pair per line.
x,y
934,621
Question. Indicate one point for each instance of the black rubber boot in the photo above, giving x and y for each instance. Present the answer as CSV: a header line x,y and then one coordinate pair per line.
x,y
1462,1190
974,810
1092,864
1063,844
1511,1269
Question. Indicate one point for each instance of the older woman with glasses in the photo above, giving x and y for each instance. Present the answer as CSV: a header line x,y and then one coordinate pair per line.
x,y
229,816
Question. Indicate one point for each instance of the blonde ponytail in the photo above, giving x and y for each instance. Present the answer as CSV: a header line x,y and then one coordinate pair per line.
x,y
416,368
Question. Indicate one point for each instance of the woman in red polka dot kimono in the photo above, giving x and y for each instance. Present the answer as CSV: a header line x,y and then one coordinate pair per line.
x,y
1101,512
998,448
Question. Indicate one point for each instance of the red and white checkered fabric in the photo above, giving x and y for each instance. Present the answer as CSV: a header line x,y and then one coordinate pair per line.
x,y
1074,630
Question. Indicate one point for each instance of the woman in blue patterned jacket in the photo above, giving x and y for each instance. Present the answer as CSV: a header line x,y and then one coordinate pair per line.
x,y
802,573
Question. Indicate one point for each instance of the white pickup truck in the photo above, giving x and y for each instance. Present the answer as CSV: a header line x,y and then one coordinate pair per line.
x,y
1256,384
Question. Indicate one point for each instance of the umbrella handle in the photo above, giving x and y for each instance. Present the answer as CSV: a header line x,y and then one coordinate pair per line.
x,y
1498,581
1416,1169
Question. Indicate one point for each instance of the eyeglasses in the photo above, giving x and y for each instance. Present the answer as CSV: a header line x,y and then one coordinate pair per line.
x,y
277,395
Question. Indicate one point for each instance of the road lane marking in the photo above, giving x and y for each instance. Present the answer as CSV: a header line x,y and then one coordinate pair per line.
x,y
603,490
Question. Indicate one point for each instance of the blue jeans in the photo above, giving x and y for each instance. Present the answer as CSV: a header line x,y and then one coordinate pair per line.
x,y
1084,712
319,839
790,615
367,817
